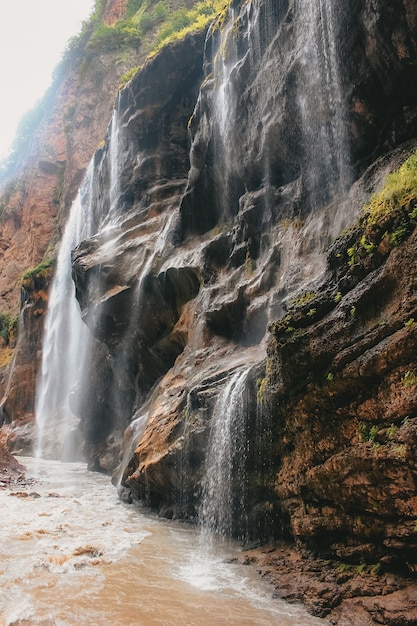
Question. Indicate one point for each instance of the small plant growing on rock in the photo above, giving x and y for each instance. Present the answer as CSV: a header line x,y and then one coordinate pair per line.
x,y
391,431
367,245
351,254
304,298
409,379
40,272
367,433
8,327
124,79
399,234
400,189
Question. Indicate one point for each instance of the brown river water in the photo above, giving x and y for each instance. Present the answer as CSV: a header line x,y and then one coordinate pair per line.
x,y
73,554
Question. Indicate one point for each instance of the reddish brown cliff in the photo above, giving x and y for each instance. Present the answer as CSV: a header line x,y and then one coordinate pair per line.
x,y
69,125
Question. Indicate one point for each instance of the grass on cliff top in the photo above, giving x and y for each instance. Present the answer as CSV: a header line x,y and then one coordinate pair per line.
x,y
400,190
157,22
183,21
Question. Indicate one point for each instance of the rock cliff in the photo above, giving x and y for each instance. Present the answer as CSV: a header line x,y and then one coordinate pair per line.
x,y
243,233
254,329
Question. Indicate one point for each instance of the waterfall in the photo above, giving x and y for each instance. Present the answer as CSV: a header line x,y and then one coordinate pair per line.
x,y
225,104
115,166
223,484
66,342
320,99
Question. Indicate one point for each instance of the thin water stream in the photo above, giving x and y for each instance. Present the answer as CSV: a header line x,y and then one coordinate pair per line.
x,y
72,554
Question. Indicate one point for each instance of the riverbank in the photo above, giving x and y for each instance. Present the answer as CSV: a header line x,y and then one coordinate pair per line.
x,y
11,471
345,595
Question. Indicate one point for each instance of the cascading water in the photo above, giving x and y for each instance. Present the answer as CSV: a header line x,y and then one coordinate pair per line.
x,y
224,113
325,171
320,98
65,345
114,159
67,342
224,479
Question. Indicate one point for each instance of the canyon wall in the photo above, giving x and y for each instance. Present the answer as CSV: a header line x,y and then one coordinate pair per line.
x,y
242,308
208,248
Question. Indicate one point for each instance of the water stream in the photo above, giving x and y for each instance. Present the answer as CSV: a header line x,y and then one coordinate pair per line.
x,y
78,556
320,98
66,344
225,460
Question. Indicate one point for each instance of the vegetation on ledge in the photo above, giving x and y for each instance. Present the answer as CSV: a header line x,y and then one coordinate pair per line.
x,y
184,21
8,328
35,277
386,221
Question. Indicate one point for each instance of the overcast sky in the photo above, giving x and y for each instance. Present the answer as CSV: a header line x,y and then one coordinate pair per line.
x,y
33,35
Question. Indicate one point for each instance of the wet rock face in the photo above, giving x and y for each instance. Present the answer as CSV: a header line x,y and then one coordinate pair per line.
x,y
130,302
269,142
343,391
202,249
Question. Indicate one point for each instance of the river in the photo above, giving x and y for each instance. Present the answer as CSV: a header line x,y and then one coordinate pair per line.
x,y
73,554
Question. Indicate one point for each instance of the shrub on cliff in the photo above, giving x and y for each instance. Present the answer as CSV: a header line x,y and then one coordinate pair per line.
x,y
36,277
8,327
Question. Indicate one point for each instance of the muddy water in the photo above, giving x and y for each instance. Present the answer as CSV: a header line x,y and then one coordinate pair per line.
x,y
72,554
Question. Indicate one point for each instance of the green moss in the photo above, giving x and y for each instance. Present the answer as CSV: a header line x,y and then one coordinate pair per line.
x,y
368,246
409,379
39,272
261,385
304,298
400,189
391,431
124,79
368,433
399,234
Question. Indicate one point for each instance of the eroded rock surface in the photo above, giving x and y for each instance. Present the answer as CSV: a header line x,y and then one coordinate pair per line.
x,y
244,241
218,199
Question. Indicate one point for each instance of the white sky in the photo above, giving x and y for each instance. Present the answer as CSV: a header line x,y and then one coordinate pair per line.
x,y
33,35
